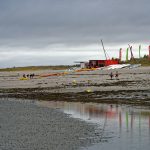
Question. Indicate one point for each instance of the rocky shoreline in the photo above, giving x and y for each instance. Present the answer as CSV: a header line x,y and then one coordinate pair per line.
x,y
123,97
25,125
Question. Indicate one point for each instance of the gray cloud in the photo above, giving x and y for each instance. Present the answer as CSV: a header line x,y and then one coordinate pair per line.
x,y
36,24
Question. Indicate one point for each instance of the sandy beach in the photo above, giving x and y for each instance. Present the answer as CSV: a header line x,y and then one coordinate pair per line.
x,y
133,86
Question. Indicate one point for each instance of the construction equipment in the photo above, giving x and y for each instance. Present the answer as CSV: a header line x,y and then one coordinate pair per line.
x,y
106,55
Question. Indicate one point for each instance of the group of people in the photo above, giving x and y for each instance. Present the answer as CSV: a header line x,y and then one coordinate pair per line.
x,y
116,75
29,75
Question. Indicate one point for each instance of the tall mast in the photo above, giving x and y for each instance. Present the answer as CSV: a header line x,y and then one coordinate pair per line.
x,y
132,57
104,50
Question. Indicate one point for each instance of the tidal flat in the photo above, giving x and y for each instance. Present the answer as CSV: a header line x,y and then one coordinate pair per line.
x,y
132,86
33,112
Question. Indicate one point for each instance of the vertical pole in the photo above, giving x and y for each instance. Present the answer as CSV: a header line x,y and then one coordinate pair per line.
x,y
132,57
139,51
149,52
127,54
120,54
104,49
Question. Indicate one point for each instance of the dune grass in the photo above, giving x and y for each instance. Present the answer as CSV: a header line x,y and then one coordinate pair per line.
x,y
144,61
33,68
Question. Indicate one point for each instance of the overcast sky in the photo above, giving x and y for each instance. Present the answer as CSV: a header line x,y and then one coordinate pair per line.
x,y
53,32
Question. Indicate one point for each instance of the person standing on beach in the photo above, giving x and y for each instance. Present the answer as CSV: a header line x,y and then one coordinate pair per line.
x,y
117,75
111,75
24,76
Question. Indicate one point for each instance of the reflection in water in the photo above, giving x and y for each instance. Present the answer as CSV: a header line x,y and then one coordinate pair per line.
x,y
130,126
127,120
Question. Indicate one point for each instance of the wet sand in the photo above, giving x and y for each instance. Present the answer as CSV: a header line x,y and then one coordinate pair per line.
x,y
133,86
26,126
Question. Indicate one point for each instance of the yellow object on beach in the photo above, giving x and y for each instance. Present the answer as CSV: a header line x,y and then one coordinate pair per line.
x,y
74,82
88,90
24,78
86,69
65,73
54,74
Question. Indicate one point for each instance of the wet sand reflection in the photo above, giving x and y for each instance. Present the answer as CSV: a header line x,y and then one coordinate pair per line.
x,y
124,117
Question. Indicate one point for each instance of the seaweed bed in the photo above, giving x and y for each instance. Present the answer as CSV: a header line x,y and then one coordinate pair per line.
x,y
116,95
136,97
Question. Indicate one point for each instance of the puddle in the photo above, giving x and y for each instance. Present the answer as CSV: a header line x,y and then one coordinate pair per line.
x,y
129,126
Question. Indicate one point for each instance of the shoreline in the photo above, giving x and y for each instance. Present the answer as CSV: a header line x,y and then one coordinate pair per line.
x,y
132,87
27,125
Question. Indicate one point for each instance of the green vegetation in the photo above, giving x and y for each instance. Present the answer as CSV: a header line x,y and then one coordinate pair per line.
x,y
144,61
33,68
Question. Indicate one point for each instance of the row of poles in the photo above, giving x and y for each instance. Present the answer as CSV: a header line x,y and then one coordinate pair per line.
x,y
132,56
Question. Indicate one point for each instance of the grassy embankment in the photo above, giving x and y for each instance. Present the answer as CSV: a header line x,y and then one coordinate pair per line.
x,y
144,61
33,68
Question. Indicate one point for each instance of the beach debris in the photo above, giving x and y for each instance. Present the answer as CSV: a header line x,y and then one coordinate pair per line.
x,y
72,69
88,90
54,74
86,69
74,82
24,78
89,81
134,66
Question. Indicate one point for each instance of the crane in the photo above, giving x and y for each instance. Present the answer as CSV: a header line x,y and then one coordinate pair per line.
x,y
106,55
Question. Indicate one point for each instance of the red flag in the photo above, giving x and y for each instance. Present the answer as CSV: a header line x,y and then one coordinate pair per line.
x,y
149,51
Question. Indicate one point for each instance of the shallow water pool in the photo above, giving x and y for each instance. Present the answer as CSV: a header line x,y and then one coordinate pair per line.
x,y
128,126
